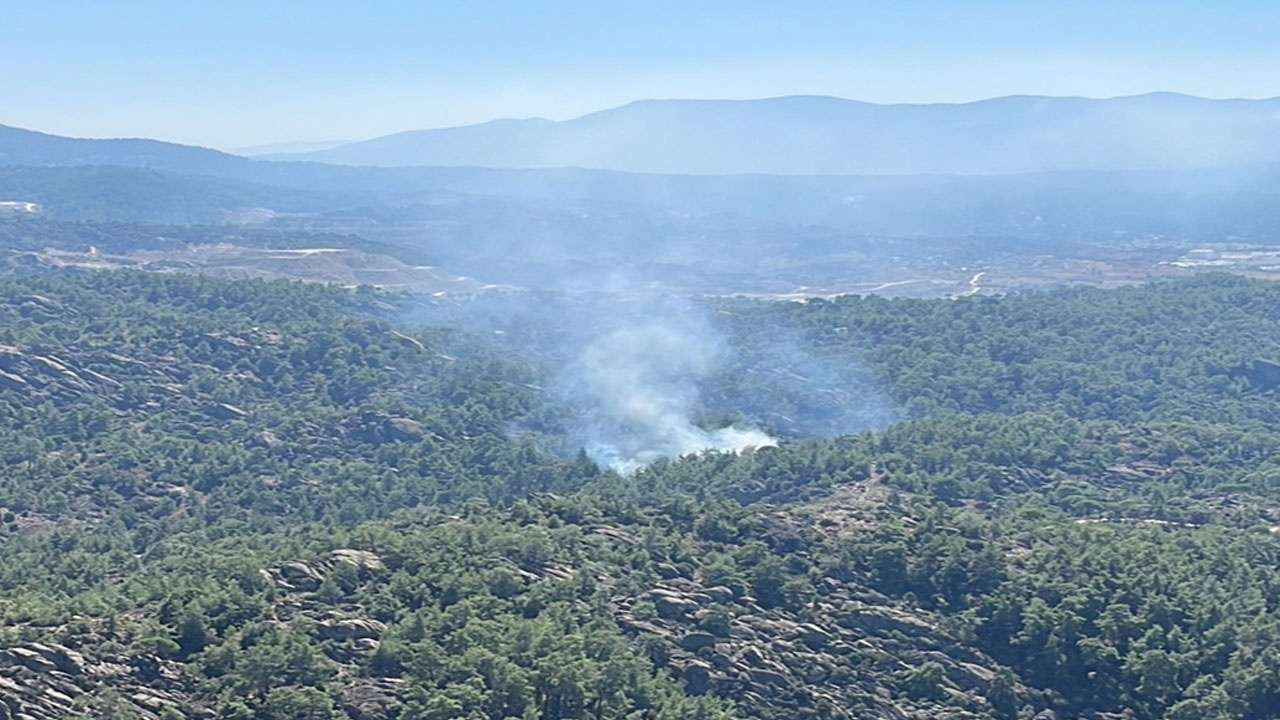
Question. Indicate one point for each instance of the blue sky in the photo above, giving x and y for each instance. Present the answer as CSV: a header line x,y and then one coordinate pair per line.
x,y
231,74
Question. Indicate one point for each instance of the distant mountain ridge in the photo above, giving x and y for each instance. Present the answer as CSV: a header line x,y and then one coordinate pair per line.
x,y
19,146
798,135
827,135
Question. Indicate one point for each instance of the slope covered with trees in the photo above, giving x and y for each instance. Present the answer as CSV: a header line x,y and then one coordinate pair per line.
x,y
270,500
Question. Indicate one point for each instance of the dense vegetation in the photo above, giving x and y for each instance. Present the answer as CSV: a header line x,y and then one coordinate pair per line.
x,y
267,500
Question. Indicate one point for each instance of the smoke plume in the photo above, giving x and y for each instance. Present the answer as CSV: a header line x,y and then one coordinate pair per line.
x,y
633,376
636,388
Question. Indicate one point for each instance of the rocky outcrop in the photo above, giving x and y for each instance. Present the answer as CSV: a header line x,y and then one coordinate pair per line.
x,y
40,681
47,681
299,576
839,661
28,304
1264,374
408,341
404,429
351,629
371,698
695,641
360,558
379,428
226,411
47,375
672,604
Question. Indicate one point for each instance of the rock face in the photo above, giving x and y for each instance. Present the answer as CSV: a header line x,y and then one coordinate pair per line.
x,y
29,303
806,669
40,681
371,698
360,558
224,411
45,681
834,658
378,428
412,342
49,376
1264,374
299,576
695,641
352,629
671,604
302,576
404,429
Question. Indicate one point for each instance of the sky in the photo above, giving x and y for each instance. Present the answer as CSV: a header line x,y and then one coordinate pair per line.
x,y
234,74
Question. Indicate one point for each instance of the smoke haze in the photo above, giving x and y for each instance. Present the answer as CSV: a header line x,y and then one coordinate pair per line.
x,y
638,386
633,376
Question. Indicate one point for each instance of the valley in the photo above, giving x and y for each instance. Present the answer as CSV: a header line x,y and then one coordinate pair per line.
x,y
336,266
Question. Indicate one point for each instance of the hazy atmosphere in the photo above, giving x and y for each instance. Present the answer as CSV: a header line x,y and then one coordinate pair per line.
x,y
235,75
640,361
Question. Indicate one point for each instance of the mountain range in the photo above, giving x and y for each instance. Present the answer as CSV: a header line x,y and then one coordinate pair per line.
x,y
827,135
518,225
800,135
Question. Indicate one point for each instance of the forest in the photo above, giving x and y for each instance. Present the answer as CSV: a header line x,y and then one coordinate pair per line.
x,y
249,499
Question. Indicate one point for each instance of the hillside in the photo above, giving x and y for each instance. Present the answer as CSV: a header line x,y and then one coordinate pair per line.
x,y
19,146
270,500
35,244
832,136
140,194
636,375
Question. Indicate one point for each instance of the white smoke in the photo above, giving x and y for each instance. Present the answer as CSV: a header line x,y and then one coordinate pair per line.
x,y
633,376
639,387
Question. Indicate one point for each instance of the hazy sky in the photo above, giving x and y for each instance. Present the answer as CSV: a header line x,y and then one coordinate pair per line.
x,y
229,74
